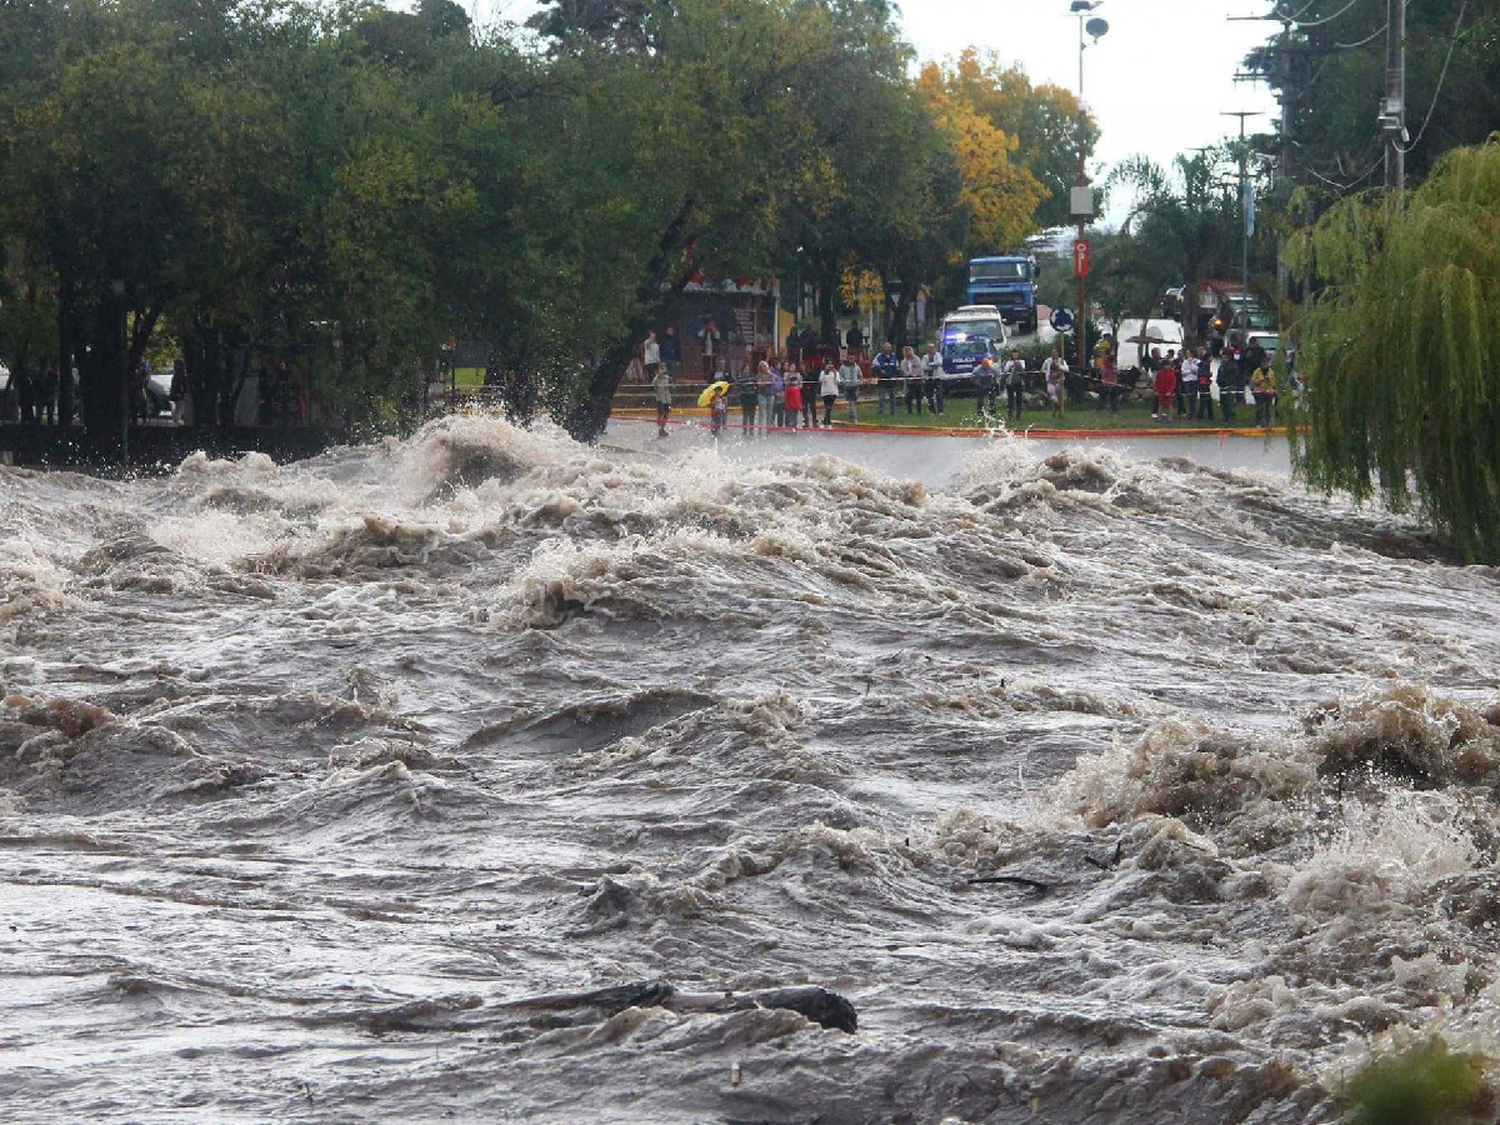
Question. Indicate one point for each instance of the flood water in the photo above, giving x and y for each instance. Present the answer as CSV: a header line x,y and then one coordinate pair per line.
x,y
310,773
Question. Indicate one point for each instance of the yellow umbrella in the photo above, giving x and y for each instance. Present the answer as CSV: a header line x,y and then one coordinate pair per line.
x,y
713,388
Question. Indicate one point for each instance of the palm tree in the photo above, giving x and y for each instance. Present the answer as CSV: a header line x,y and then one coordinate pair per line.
x,y
1187,216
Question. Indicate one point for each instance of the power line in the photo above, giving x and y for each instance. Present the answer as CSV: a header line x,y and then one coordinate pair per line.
x,y
1370,38
1293,18
1352,183
1329,19
1452,46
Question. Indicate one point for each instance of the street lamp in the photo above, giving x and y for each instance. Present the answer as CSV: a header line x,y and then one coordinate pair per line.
x,y
1083,196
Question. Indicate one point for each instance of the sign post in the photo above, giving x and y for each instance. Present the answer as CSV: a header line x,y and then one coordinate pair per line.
x,y
1081,257
1083,208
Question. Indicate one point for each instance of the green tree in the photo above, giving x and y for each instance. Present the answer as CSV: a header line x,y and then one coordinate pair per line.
x,y
1331,72
1048,129
1400,354
1188,218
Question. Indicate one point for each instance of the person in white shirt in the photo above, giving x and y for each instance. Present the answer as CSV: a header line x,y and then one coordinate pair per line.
x,y
911,373
828,387
932,379
849,378
651,357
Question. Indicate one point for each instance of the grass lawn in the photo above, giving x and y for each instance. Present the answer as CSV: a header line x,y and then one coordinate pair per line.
x,y
961,414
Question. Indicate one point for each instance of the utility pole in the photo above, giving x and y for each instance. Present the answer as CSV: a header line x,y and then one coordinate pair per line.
x,y
1393,108
1246,206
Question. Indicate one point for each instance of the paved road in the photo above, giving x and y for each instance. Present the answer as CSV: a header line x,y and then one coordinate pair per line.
x,y
935,460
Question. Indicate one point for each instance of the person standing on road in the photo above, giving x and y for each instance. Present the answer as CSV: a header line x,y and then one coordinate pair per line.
x,y
1175,363
887,372
1109,383
1263,387
1205,386
932,379
718,411
1230,386
809,393
985,390
661,385
849,380
1054,370
792,395
911,372
744,389
1166,392
778,395
828,388
765,392
1187,383
1013,375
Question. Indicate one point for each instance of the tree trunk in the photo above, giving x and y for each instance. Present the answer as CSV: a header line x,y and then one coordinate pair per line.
x,y
104,385
1190,306
586,418
65,352
828,281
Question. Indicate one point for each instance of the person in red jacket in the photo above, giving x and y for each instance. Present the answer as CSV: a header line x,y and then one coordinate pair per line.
x,y
1166,392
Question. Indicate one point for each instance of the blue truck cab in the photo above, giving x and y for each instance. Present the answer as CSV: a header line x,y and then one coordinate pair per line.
x,y
1008,283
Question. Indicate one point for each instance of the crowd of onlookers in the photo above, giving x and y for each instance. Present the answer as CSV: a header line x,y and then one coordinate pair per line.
x,y
1179,382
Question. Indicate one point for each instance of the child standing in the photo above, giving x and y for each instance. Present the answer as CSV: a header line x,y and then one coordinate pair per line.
x,y
1166,392
793,395
718,411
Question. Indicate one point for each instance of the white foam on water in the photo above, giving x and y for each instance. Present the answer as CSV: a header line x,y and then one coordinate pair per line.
x,y
310,768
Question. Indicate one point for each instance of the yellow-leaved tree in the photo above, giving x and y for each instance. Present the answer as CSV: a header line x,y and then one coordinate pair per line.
x,y
1044,122
1002,196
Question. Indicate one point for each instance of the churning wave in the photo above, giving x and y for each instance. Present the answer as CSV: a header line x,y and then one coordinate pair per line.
x,y
310,773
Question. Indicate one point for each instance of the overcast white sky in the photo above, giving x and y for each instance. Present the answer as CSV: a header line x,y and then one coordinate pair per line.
x,y
1157,82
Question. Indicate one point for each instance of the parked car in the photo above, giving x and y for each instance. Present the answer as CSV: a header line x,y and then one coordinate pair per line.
x,y
1270,342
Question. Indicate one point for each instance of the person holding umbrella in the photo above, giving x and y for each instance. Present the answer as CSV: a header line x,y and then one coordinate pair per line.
x,y
715,397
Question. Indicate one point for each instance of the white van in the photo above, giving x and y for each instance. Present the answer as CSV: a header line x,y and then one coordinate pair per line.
x,y
973,320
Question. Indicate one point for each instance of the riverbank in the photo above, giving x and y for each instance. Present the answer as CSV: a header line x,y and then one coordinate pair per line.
x,y
155,448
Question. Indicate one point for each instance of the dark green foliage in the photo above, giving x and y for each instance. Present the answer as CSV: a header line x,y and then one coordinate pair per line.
x,y
1400,351
347,186
1427,1085
1334,87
